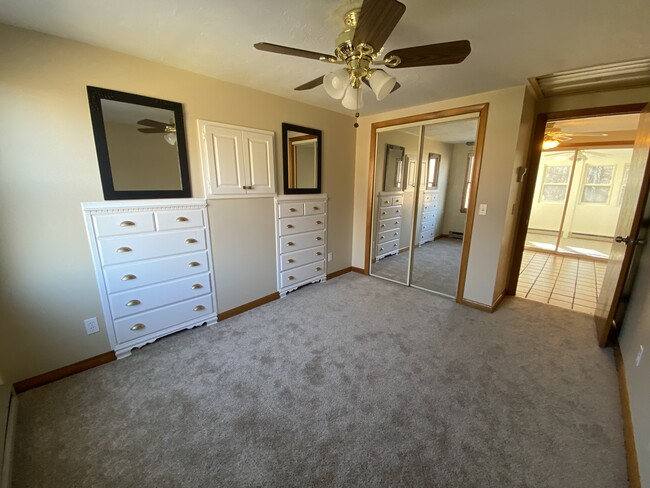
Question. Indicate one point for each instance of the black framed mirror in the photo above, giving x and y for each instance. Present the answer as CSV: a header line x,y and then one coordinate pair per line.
x,y
141,146
301,153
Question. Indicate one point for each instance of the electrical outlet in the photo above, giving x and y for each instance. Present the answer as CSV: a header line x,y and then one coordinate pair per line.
x,y
329,257
92,326
639,355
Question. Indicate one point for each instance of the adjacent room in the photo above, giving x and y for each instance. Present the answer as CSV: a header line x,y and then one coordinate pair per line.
x,y
324,243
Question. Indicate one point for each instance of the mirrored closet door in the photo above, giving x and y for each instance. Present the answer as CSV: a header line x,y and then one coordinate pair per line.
x,y
422,181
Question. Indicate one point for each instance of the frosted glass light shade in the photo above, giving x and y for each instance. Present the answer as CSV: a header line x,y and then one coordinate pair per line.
x,y
336,82
353,99
170,137
381,83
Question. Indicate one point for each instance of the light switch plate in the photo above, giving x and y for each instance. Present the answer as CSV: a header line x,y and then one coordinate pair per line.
x,y
482,209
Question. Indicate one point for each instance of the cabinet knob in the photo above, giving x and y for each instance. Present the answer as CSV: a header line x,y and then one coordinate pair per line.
x,y
292,277
291,260
127,223
319,268
138,327
290,244
319,222
319,238
381,249
292,209
318,253
383,225
196,286
381,237
316,208
193,264
124,249
198,308
396,211
289,226
133,303
128,277
191,241
383,213
182,219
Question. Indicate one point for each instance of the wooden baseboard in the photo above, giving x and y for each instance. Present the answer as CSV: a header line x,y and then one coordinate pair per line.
x,y
339,272
57,374
630,445
478,306
498,301
358,270
248,306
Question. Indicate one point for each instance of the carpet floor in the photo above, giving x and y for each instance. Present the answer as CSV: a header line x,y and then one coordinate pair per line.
x,y
353,382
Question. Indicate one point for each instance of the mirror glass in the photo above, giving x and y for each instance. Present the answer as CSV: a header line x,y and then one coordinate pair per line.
x,y
395,165
301,147
140,144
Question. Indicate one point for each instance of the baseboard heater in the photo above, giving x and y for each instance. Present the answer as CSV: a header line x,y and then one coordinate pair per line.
x,y
455,235
8,417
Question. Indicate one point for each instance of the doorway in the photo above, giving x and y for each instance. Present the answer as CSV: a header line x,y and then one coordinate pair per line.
x,y
422,196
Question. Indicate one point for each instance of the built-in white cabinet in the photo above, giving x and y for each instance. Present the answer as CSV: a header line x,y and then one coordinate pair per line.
x,y
389,224
153,265
237,161
301,232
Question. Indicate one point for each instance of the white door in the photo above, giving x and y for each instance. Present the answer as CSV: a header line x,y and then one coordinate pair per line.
x,y
223,150
260,171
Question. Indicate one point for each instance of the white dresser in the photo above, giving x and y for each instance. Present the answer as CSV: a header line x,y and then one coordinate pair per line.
x,y
389,223
301,233
153,265
428,217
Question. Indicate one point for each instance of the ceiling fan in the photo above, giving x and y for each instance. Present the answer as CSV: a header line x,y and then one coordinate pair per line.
x,y
554,136
156,127
359,49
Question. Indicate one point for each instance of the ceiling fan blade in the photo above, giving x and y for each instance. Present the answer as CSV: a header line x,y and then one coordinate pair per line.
x,y
377,20
432,54
310,84
152,123
397,85
152,130
291,51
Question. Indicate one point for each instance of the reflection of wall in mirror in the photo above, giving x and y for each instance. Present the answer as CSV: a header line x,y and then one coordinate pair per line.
x,y
453,218
305,165
141,161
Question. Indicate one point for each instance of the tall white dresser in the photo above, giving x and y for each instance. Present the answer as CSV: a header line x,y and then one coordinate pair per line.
x,y
301,233
153,265
389,223
428,217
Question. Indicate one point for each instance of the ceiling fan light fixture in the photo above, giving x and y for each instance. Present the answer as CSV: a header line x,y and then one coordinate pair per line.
x,y
170,138
353,99
381,83
336,83
550,144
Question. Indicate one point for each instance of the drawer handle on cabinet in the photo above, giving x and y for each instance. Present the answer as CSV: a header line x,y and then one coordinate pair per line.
x,y
383,225
182,219
127,223
318,222
396,211
193,264
196,286
291,261
289,226
292,209
138,327
133,303
316,208
381,237
290,244
383,213
191,241
198,308
319,238
123,249
128,277
319,268
318,253
292,277
381,249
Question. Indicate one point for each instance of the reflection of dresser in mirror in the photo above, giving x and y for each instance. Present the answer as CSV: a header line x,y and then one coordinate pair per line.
x,y
389,223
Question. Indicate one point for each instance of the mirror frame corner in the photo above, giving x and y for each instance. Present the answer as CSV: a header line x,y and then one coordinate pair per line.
x,y
286,127
95,97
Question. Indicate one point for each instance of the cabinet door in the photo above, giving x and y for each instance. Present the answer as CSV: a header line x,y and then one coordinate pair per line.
x,y
223,149
259,156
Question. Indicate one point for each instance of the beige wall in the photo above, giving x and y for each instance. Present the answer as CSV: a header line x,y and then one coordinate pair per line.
x,y
49,166
500,153
453,219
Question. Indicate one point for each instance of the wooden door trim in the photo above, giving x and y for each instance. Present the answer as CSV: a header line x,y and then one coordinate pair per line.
x,y
481,110
532,165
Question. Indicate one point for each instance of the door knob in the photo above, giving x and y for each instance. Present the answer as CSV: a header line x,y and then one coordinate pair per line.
x,y
628,241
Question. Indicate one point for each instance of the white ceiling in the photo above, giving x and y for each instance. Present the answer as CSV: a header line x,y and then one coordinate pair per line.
x,y
512,40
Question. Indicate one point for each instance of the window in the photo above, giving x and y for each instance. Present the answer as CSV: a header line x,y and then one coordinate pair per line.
x,y
597,183
468,183
555,184
433,169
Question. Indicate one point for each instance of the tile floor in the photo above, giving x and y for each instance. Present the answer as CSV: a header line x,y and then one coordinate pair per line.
x,y
564,281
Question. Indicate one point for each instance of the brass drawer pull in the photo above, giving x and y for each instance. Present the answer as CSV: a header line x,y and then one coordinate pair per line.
x,y
318,222
133,303
128,277
197,286
383,213
289,226
193,264
291,260
127,223
316,208
292,209
319,238
121,250
290,244
182,219
318,253
191,241
137,327
198,308
292,277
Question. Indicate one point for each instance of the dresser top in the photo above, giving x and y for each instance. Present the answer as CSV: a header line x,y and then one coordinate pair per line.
x,y
145,204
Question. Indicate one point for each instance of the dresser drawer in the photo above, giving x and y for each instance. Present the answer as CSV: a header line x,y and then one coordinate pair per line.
x,y
297,275
429,207
296,243
123,223
291,210
299,225
428,225
134,275
139,325
123,249
292,260
178,219
391,246
143,299
427,236
427,197
428,217
389,224
388,235
385,201
388,212
314,208
398,200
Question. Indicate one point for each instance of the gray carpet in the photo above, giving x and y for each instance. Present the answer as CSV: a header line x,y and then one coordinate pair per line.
x,y
435,266
354,382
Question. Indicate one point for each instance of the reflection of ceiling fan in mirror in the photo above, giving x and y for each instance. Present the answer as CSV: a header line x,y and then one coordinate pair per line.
x,y
359,47
156,127
554,135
